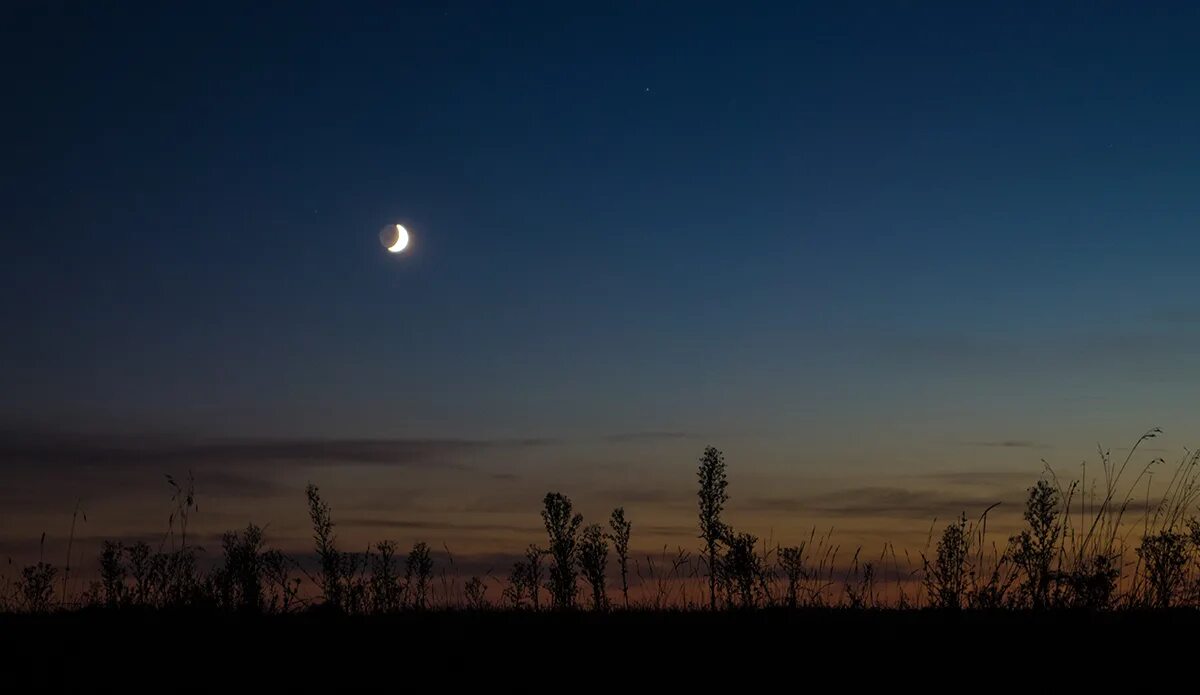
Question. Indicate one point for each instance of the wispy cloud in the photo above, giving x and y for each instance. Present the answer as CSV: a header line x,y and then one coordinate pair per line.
x,y
64,451
436,526
1010,444
984,478
647,436
882,502
668,530
1179,314
239,485
649,495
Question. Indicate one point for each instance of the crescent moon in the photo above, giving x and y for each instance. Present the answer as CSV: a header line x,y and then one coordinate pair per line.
x,y
394,238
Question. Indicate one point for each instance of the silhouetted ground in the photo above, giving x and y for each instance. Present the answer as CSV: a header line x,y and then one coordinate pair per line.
x,y
722,651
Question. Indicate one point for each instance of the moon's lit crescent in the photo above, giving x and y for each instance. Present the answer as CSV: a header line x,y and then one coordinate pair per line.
x,y
394,238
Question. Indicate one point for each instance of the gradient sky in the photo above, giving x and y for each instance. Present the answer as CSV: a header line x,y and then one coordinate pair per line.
x,y
887,257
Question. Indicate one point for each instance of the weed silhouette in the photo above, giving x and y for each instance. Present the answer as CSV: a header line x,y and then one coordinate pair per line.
x,y
1038,548
418,574
946,577
112,575
476,594
283,588
70,543
562,527
142,570
524,580
239,581
860,584
1165,556
36,587
593,562
387,591
741,569
519,587
712,499
533,569
791,562
332,564
621,529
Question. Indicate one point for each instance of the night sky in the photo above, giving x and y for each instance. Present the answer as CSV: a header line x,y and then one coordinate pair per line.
x,y
888,258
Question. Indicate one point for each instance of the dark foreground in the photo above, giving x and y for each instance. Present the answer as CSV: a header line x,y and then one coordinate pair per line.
x,y
724,651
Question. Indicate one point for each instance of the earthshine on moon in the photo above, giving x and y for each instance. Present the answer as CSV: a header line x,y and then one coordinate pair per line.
x,y
394,238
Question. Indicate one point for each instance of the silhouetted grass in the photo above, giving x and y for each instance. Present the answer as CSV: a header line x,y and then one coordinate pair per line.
x,y
1079,549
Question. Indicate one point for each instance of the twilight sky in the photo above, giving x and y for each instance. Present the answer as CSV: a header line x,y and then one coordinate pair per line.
x,y
888,258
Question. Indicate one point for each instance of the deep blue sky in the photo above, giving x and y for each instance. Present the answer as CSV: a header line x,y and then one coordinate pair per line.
x,y
966,219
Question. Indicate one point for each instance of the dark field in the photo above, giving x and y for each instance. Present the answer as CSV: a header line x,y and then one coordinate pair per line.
x,y
454,648
1070,598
